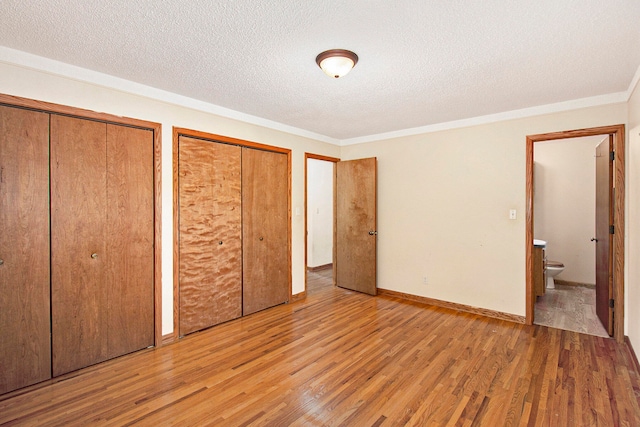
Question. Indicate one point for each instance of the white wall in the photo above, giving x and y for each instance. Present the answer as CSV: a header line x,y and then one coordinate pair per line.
x,y
632,282
443,207
319,212
52,87
564,189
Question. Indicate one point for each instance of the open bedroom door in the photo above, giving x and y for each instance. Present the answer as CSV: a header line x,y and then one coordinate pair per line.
x,y
355,217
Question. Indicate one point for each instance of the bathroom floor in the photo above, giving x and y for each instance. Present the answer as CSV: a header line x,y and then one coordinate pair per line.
x,y
572,308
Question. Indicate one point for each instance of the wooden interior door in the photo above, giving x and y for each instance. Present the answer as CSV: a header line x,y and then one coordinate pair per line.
x,y
265,206
130,261
356,235
210,227
604,219
78,249
25,349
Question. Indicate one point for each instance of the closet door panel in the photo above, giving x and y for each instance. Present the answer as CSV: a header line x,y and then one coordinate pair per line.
x,y
210,243
25,350
265,229
78,249
129,262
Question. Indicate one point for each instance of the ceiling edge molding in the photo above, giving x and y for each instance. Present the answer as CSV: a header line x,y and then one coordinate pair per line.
x,y
594,101
634,83
50,66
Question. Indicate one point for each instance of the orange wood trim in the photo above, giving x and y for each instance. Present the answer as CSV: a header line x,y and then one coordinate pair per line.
x,y
33,104
634,357
618,237
168,339
299,297
306,219
530,297
289,228
157,244
320,267
453,306
176,236
229,140
49,107
618,133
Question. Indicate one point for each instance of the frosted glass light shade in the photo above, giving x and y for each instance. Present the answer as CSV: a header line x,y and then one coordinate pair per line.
x,y
337,62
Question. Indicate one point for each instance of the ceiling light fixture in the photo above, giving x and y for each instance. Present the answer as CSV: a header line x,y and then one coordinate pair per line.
x,y
336,62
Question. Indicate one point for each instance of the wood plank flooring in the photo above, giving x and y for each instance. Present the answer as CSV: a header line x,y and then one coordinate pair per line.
x,y
569,307
344,358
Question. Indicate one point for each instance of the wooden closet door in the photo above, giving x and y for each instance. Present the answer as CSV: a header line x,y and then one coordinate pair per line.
x,y
265,193
129,261
78,249
210,243
25,350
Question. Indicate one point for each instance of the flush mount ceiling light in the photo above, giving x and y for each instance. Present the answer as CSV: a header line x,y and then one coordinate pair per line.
x,y
336,62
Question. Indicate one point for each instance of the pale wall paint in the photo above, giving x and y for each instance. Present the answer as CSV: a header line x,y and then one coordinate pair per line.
x,y
319,212
28,83
564,182
632,303
443,208
443,196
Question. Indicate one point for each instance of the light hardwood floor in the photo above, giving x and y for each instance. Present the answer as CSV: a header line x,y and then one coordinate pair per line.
x,y
343,358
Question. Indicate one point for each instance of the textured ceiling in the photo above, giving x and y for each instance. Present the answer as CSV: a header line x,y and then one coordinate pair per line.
x,y
421,62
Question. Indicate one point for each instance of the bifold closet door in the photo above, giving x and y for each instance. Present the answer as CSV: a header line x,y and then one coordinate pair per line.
x,y
265,193
78,248
25,349
101,242
130,240
210,227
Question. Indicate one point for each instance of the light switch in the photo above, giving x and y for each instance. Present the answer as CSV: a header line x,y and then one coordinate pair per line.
x,y
297,211
512,214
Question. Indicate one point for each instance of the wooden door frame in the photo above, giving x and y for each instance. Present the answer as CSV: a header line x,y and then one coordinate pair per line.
x,y
156,128
618,134
177,132
333,160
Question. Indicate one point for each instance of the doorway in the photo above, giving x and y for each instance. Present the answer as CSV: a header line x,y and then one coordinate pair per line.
x,y
565,188
616,211
319,221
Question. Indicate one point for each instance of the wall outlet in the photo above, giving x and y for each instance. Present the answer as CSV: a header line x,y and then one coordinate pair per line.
x,y
424,280
512,214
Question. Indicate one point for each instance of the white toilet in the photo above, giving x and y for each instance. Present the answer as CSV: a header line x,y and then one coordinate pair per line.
x,y
553,268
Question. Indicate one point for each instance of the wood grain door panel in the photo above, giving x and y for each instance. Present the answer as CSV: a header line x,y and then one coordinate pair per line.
x,y
604,248
25,349
210,227
265,192
78,249
129,221
355,217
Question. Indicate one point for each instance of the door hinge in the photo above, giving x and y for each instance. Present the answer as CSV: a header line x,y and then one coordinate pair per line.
x,y
611,229
611,304
612,155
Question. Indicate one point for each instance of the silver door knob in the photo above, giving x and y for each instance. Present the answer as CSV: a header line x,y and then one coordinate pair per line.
x,y
373,233
220,242
261,238
1,261
94,255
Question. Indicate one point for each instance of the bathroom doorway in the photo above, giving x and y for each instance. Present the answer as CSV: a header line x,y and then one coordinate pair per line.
x,y
616,212
565,185
319,221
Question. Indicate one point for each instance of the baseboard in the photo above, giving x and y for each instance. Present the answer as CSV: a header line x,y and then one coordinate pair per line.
x,y
168,339
568,283
454,306
298,297
320,267
633,353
